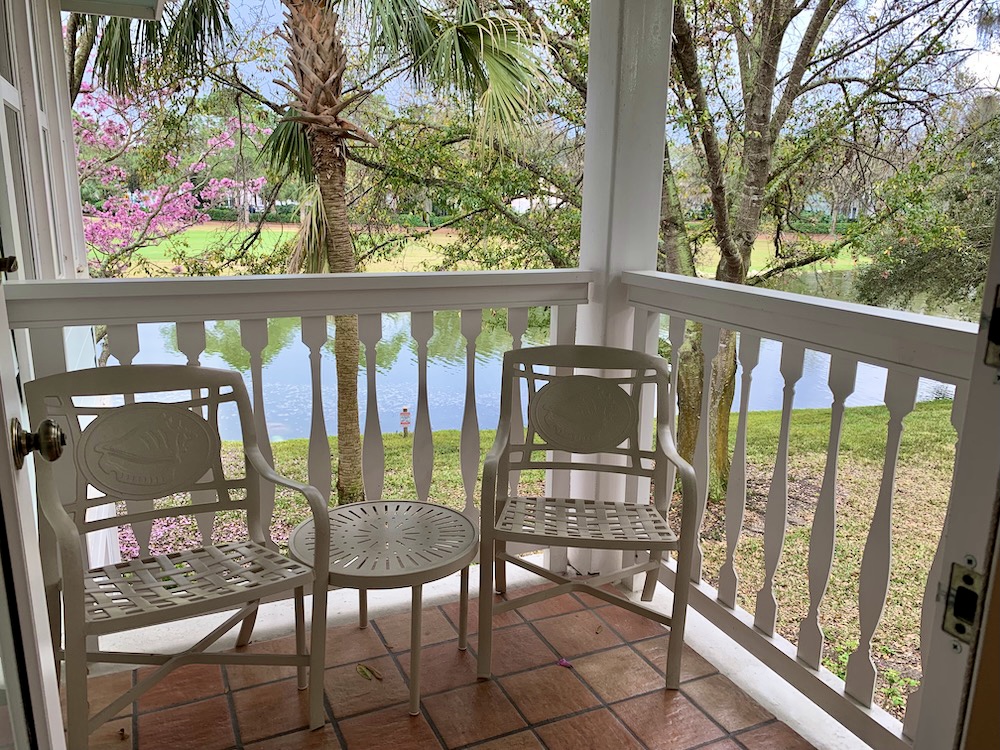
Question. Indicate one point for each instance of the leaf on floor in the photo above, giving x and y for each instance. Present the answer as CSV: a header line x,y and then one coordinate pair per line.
x,y
565,663
369,672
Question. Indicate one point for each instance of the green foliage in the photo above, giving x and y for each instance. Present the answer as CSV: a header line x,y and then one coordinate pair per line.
x,y
935,239
184,40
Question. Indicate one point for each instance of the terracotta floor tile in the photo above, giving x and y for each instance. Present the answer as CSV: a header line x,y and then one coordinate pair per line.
x,y
321,739
577,633
520,741
727,704
596,730
473,713
103,689
349,643
443,667
350,693
184,685
267,710
205,725
592,602
618,674
774,736
258,674
109,736
558,605
502,620
548,692
693,665
666,720
721,745
392,728
630,626
516,649
435,628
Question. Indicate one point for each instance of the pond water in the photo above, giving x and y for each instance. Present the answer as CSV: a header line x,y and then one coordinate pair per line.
x,y
287,390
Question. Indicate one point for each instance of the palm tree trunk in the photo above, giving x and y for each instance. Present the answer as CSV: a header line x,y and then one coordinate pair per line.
x,y
330,166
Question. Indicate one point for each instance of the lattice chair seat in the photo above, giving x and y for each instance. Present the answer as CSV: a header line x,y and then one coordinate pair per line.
x,y
600,524
610,482
145,447
185,584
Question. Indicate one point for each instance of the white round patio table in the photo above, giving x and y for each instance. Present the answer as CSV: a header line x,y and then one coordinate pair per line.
x,y
391,544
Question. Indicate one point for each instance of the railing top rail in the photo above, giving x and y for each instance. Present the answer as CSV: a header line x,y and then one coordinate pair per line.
x,y
48,304
934,347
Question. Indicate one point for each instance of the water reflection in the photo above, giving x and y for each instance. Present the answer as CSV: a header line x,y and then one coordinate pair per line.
x,y
288,392
287,387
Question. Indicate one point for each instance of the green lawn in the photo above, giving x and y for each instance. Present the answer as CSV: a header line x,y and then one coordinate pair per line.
x,y
417,255
762,256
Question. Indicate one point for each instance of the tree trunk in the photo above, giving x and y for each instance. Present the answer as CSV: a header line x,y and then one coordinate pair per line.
x,y
674,254
330,166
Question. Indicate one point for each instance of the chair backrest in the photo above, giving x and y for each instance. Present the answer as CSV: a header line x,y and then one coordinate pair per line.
x,y
142,433
584,412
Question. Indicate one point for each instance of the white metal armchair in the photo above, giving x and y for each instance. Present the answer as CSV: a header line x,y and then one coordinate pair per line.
x,y
584,415
146,438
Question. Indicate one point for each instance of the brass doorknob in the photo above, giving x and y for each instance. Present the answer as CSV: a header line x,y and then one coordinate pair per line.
x,y
48,441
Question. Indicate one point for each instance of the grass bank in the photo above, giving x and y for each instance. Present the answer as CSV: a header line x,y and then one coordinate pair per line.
x,y
420,254
922,485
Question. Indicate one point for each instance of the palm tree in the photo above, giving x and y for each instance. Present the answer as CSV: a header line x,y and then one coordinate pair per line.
x,y
486,58
183,40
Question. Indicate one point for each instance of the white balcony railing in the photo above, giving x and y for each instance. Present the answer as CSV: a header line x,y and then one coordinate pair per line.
x,y
907,347
187,304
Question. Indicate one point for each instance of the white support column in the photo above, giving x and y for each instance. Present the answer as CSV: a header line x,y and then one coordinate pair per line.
x,y
623,165
623,174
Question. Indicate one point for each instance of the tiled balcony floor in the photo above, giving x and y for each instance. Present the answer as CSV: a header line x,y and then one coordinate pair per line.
x,y
613,697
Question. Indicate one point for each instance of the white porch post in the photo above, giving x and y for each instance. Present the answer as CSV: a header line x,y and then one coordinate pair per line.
x,y
623,171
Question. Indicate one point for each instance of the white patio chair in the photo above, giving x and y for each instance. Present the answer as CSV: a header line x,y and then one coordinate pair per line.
x,y
146,438
584,415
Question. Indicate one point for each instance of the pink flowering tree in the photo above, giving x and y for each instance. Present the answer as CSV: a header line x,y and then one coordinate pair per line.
x,y
149,169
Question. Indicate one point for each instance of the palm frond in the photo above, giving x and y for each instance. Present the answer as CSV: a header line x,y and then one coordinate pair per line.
x,y
397,28
309,251
286,151
490,60
115,63
195,30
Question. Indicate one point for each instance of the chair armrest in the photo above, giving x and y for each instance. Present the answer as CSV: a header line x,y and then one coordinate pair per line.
x,y
490,466
689,499
68,547
317,504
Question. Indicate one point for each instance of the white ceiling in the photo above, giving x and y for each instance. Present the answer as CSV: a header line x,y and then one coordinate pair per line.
x,y
128,8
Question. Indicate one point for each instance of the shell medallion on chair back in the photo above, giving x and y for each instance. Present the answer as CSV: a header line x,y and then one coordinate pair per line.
x,y
583,414
145,451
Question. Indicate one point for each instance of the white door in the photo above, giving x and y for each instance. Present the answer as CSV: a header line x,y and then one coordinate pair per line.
x,y
30,687
967,541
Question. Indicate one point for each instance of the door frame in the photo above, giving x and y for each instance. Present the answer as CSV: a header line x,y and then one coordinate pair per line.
x,y
26,586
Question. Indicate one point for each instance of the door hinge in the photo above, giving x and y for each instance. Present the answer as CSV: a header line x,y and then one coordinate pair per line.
x,y
963,609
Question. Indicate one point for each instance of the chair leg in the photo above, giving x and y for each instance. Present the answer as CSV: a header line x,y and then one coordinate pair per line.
x,y
246,629
501,566
649,586
416,624
77,703
485,609
300,635
54,607
678,616
317,655
463,611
